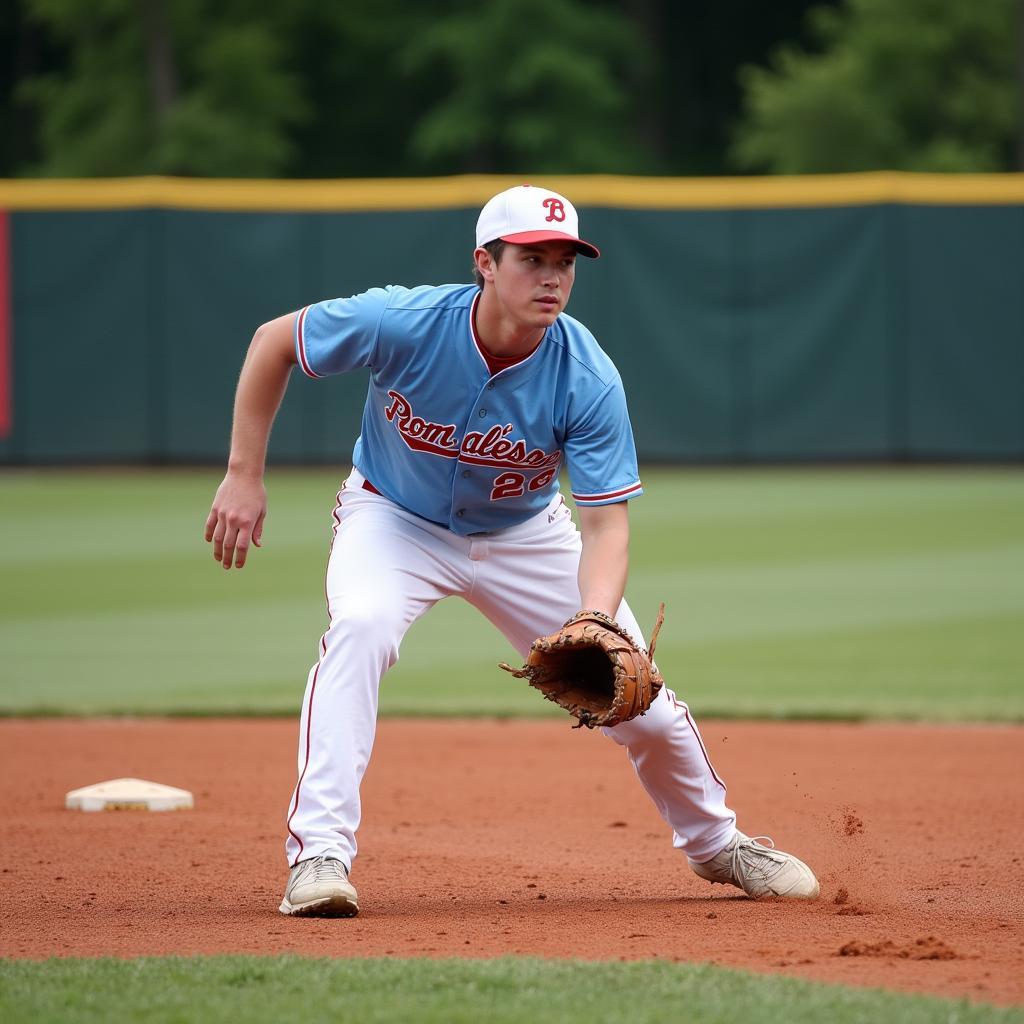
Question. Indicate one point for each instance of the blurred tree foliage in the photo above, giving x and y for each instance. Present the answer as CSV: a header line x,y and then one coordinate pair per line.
x,y
302,88
538,84
376,87
166,86
917,85
458,86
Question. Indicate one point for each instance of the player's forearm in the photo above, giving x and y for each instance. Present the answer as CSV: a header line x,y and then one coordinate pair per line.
x,y
604,563
261,387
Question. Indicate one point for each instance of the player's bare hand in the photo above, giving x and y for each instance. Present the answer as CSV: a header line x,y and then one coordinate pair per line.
x,y
236,518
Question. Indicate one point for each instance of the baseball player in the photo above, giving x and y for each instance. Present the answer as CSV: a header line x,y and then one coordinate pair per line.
x,y
478,395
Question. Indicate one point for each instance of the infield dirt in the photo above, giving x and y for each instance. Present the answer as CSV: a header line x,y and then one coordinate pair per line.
x,y
486,838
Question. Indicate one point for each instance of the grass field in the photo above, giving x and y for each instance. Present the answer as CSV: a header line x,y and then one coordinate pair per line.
x,y
853,593
816,593
506,991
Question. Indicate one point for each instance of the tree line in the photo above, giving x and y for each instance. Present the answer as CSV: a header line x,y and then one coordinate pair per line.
x,y
255,88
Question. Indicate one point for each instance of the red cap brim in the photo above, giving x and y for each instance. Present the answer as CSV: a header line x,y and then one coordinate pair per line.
x,y
526,237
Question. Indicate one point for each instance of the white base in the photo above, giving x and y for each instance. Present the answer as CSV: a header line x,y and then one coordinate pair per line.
x,y
128,795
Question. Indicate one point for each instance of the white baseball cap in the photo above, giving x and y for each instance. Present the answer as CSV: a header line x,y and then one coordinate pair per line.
x,y
527,214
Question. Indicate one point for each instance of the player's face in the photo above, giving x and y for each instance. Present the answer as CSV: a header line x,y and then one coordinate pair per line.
x,y
533,282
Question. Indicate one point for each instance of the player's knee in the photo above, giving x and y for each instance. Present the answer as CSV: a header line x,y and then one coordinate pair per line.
x,y
372,625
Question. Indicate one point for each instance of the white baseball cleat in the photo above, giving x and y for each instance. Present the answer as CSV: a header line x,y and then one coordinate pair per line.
x,y
759,870
319,887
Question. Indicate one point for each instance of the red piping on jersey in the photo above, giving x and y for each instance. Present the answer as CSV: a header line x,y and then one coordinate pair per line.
x,y
6,356
472,331
300,330
611,494
312,689
495,364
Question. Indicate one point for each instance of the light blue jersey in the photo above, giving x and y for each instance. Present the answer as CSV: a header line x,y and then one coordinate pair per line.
x,y
448,441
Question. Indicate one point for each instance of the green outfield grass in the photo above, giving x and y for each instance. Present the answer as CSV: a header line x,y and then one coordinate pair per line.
x,y
852,593
504,991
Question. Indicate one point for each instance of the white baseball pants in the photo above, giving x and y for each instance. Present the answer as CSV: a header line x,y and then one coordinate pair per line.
x,y
387,567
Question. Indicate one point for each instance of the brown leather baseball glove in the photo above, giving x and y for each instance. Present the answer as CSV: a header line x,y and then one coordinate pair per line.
x,y
594,669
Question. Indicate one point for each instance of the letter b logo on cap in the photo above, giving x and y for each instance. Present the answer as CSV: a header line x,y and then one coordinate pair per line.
x,y
555,208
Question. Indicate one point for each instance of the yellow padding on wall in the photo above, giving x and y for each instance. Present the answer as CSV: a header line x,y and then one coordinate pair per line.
x,y
640,193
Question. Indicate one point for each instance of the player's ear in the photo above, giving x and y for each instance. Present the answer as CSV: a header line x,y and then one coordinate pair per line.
x,y
484,263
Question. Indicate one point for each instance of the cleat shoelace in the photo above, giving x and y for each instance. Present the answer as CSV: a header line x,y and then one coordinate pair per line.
x,y
322,869
756,855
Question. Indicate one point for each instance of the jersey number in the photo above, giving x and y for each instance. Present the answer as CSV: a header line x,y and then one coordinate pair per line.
x,y
514,485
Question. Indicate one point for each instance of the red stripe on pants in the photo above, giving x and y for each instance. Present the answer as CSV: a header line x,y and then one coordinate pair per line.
x,y
312,692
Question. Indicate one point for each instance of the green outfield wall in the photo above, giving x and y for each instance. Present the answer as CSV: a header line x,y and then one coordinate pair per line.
x,y
854,317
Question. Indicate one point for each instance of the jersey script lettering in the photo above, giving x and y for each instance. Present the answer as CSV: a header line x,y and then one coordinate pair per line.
x,y
418,434
490,448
